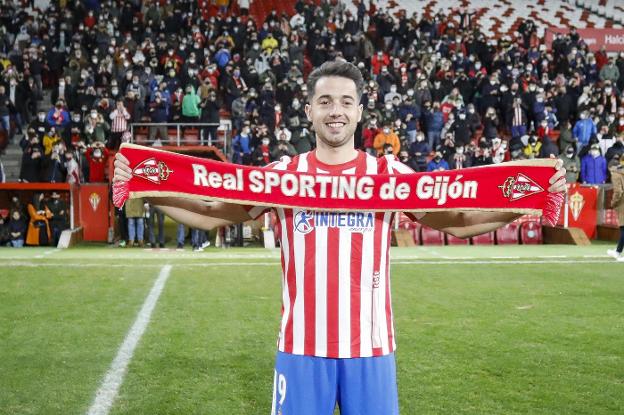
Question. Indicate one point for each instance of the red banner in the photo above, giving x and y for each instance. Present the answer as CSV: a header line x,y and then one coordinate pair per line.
x,y
581,208
94,211
611,39
512,187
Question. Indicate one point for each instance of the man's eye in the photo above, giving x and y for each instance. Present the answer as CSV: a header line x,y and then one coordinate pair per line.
x,y
323,102
347,103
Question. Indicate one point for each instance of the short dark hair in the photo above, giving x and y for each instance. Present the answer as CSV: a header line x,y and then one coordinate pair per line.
x,y
336,68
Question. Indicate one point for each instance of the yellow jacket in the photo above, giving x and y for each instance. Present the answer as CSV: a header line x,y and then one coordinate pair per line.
x,y
382,139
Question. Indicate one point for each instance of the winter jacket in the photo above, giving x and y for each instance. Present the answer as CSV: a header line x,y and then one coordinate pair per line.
x,y
583,130
617,201
593,170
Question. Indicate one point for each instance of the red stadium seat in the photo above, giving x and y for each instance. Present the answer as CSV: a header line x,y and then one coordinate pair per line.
x,y
484,239
611,217
191,137
507,235
453,240
531,233
430,236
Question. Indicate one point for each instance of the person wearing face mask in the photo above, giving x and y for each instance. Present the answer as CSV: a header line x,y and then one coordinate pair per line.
x,y
303,140
532,147
59,217
39,124
386,136
241,146
593,166
571,163
583,130
262,153
437,163
97,157
419,150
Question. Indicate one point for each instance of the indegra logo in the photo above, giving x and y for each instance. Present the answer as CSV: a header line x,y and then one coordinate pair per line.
x,y
305,221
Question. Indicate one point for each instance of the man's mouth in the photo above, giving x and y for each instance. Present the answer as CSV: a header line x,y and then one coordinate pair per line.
x,y
337,124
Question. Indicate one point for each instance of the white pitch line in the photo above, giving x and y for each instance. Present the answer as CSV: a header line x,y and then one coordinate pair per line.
x,y
106,394
276,263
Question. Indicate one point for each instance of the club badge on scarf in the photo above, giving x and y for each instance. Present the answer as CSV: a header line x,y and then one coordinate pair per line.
x,y
518,186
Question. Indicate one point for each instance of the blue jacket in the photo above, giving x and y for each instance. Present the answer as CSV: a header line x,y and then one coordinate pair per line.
x,y
435,121
583,130
433,165
593,170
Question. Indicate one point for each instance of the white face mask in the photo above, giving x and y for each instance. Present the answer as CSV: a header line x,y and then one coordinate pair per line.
x,y
388,106
386,130
265,142
594,153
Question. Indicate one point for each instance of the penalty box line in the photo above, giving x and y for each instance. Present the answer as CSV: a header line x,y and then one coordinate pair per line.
x,y
108,390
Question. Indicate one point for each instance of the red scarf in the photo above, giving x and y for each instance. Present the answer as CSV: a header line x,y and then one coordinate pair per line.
x,y
519,186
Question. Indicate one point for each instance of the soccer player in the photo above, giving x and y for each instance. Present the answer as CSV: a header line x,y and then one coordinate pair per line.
x,y
337,338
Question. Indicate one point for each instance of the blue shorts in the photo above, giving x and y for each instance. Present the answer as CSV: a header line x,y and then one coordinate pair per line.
x,y
307,385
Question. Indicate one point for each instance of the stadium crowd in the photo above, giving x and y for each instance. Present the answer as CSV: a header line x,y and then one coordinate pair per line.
x,y
439,94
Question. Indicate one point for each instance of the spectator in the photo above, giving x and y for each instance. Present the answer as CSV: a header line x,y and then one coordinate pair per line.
x,y
532,148
583,130
135,212
419,150
158,115
593,167
154,215
387,136
5,235
303,139
58,220
5,115
437,163
119,124
97,157
434,121
565,136
17,229
617,203
38,228
617,149
190,106
571,163
241,146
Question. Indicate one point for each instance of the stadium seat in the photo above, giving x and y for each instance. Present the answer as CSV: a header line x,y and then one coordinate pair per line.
x,y
484,239
453,240
507,235
531,233
191,137
430,236
611,217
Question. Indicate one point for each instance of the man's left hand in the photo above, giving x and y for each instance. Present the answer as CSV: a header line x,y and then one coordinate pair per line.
x,y
558,181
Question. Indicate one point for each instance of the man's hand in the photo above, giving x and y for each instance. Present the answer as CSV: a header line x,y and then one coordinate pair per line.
x,y
123,172
558,181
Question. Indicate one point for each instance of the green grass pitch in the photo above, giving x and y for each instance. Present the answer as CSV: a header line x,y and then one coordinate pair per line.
x,y
480,330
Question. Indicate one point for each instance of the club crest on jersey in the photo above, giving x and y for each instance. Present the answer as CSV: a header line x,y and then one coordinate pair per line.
x,y
153,170
518,187
305,221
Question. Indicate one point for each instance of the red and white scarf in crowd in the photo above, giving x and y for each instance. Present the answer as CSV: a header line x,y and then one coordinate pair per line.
x,y
518,186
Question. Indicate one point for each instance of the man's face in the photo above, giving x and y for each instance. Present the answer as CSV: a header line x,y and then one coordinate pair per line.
x,y
334,111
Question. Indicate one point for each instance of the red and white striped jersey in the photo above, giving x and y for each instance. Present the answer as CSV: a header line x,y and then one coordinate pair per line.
x,y
336,298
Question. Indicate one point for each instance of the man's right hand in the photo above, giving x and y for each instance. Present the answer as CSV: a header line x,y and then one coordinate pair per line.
x,y
123,172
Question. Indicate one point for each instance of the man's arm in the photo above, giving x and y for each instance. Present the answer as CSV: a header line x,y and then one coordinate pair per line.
x,y
467,224
194,213
471,223
199,214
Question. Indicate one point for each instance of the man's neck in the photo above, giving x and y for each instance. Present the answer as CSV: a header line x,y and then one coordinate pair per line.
x,y
335,155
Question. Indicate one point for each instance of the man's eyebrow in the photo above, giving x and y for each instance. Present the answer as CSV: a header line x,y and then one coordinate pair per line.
x,y
329,96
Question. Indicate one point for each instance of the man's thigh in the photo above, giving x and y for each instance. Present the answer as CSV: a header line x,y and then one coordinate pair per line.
x,y
304,385
368,386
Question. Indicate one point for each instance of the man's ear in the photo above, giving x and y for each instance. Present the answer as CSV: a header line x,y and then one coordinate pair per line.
x,y
307,108
360,111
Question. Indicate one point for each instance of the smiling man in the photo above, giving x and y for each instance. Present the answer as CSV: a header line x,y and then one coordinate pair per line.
x,y
337,339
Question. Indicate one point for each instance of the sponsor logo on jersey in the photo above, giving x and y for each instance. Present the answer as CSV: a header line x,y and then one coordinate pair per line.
x,y
305,221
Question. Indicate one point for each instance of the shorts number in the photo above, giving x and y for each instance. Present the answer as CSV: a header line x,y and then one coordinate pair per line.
x,y
281,388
